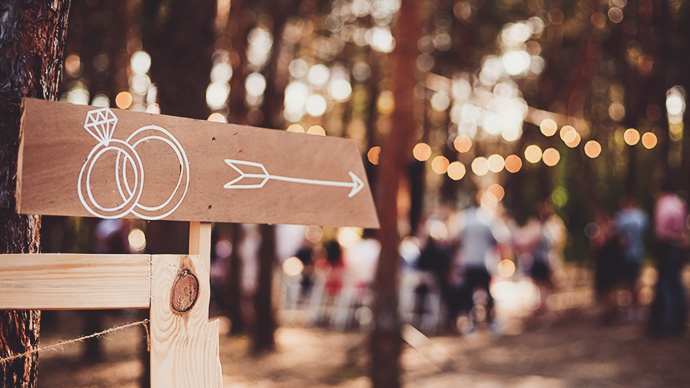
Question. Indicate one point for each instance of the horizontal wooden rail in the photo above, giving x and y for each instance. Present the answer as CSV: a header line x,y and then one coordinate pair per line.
x,y
74,281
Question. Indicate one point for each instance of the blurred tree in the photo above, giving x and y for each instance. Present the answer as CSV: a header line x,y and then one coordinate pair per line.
x,y
385,340
31,49
275,73
180,37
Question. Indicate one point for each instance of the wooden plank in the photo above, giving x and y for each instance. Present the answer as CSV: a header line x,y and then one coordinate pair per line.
x,y
81,161
74,281
184,345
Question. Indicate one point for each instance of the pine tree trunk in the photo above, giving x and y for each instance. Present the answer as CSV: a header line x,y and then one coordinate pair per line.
x,y
31,53
385,340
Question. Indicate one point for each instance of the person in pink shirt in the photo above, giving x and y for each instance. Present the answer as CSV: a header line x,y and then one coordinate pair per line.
x,y
668,314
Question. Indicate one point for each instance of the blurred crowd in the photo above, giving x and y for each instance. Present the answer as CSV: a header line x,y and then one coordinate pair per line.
x,y
458,261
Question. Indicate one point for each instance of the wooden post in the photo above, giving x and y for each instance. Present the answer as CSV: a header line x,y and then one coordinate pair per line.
x,y
184,344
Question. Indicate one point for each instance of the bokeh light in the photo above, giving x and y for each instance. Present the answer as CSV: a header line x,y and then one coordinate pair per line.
x,y
533,153
497,190
440,164
592,149
513,163
496,163
340,89
292,266
506,268
462,143
140,62
217,117
456,171
295,128
316,105
123,100
649,140
373,155
316,130
136,240
480,166
631,136
548,127
421,152
551,157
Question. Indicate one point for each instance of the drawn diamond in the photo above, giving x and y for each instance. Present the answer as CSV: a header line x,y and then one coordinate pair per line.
x,y
100,123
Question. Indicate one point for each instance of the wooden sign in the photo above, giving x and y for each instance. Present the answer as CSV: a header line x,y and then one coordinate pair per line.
x,y
80,160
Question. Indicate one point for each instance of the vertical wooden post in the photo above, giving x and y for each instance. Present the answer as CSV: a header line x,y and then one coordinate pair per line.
x,y
184,344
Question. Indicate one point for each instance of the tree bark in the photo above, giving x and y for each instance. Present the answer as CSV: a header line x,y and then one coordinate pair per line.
x,y
235,282
385,343
31,53
264,331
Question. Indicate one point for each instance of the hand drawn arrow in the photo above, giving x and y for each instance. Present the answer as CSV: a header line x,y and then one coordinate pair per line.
x,y
356,183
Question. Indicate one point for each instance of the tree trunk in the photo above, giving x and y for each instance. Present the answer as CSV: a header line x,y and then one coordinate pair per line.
x,y
31,53
263,335
235,282
265,325
385,339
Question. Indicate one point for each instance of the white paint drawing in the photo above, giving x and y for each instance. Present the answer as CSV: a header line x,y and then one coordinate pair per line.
x,y
100,123
356,183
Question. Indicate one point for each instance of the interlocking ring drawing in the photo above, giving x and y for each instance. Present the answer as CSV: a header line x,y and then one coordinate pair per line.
x,y
100,123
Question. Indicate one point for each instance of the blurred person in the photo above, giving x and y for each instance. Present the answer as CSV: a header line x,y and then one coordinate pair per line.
x,y
631,223
476,252
545,254
668,315
606,246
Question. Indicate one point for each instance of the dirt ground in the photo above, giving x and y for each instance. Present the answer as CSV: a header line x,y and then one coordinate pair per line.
x,y
570,349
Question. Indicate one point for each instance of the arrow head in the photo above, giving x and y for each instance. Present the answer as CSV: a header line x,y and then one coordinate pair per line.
x,y
357,185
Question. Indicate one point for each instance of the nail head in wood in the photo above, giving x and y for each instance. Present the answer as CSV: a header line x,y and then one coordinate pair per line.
x,y
185,292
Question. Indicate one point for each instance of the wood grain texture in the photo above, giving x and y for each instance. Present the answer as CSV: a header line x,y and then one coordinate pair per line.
x,y
55,148
74,281
184,346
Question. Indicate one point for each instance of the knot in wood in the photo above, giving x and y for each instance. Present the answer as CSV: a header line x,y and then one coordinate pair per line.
x,y
184,292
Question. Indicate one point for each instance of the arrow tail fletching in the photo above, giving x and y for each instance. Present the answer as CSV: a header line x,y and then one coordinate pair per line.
x,y
244,176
